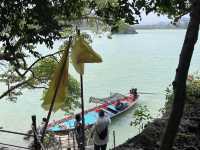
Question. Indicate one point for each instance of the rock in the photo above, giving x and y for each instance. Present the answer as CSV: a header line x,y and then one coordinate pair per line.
x,y
123,28
127,29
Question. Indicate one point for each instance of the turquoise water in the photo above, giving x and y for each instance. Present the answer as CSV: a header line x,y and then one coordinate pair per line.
x,y
147,60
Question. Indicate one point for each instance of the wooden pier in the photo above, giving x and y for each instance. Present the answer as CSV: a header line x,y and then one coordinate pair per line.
x,y
68,142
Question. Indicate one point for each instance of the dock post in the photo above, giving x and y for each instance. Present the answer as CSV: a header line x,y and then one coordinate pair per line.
x,y
82,117
114,139
74,144
36,146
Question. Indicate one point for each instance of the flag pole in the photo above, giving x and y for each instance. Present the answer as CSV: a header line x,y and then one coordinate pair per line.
x,y
82,114
55,93
82,105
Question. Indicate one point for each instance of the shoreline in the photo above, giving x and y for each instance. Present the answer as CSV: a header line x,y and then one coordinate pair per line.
x,y
187,137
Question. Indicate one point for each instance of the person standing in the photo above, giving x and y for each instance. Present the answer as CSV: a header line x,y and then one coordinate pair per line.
x,y
78,130
100,132
40,129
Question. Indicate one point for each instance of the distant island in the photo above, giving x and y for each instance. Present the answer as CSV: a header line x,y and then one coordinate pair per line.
x,y
182,24
124,28
132,29
128,29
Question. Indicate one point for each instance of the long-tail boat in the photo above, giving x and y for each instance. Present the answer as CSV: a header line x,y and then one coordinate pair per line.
x,y
108,105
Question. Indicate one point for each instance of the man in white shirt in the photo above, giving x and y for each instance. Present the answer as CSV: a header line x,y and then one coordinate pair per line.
x,y
100,132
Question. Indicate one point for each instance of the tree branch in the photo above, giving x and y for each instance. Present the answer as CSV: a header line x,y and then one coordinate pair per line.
x,y
37,87
29,68
14,87
6,56
23,75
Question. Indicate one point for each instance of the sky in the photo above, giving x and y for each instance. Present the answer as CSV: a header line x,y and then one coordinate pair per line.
x,y
154,19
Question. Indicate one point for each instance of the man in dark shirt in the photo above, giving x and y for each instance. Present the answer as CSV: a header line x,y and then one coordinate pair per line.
x,y
78,130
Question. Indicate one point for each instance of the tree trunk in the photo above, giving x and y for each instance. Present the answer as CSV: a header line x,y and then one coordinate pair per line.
x,y
179,84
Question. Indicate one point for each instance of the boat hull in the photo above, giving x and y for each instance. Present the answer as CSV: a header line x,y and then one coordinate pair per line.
x,y
91,115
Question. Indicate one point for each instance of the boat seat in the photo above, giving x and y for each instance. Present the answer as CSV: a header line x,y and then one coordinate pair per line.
x,y
112,109
110,114
55,128
70,123
91,118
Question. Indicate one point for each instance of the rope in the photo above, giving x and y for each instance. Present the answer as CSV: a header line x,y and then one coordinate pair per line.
x,y
13,132
14,146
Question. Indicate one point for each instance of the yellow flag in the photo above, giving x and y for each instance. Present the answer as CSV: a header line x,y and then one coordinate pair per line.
x,y
61,73
83,53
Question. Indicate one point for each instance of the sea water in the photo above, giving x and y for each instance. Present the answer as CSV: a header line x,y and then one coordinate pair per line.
x,y
146,61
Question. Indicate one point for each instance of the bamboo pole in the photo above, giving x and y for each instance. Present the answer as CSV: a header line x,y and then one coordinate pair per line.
x,y
82,105
55,93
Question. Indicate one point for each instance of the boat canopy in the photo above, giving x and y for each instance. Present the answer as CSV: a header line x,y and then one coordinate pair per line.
x,y
112,98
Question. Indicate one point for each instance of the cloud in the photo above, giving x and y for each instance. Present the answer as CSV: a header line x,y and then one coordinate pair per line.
x,y
152,18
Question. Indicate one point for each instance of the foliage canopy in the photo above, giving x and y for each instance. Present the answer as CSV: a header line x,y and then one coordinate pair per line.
x,y
192,92
26,23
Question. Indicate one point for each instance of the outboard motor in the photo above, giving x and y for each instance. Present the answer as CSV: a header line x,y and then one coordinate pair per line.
x,y
133,91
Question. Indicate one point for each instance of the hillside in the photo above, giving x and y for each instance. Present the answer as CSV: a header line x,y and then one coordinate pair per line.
x,y
189,130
